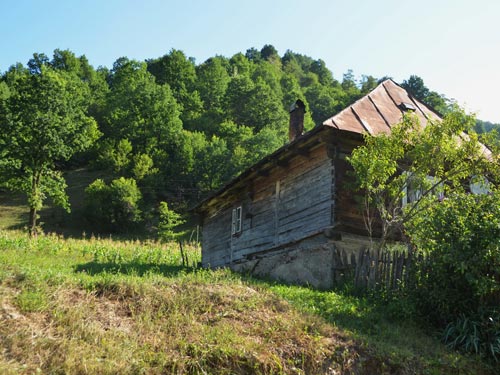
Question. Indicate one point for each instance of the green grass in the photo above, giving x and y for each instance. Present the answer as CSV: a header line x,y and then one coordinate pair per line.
x,y
107,307
14,208
13,211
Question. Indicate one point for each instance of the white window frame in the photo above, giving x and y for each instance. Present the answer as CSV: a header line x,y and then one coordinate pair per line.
x,y
236,221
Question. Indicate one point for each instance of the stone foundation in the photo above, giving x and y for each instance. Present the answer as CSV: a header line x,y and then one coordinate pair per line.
x,y
316,263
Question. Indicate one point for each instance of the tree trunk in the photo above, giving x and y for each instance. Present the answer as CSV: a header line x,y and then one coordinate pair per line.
x,y
32,222
35,183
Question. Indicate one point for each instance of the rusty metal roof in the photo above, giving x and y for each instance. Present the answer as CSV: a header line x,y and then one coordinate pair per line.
x,y
378,111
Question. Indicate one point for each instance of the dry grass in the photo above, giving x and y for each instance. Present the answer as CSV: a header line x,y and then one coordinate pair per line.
x,y
167,327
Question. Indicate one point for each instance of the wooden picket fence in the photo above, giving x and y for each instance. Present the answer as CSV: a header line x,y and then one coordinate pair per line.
x,y
369,268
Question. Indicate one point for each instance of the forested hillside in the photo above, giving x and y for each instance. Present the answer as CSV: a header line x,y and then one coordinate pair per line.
x,y
167,129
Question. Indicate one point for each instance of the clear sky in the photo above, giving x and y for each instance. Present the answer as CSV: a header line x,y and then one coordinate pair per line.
x,y
453,45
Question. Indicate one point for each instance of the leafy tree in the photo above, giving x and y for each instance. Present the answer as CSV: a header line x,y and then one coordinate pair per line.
x,y
4,91
237,94
114,155
270,74
368,83
292,66
240,65
322,102
138,109
169,220
415,85
457,282
43,122
264,143
325,76
461,272
264,109
212,81
269,53
352,92
115,206
429,161
142,166
253,54
37,62
179,72
175,69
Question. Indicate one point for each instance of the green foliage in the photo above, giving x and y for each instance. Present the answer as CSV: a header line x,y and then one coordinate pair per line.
x,y
143,166
114,156
168,114
43,121
457,282
417,163
455,234
415,85
114,206
169,220
212,82
139,110
479,334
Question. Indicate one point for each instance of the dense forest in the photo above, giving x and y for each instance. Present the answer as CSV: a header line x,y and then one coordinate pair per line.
x,y
164,130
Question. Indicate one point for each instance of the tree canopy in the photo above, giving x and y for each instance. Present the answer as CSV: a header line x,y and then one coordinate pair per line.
x,y
179,128
43,121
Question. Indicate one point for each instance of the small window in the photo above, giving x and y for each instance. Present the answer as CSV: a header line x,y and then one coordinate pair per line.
x,y
236,221
479,185
413,193
407,107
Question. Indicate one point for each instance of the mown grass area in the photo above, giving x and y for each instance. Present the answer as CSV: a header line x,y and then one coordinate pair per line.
x,y
105,307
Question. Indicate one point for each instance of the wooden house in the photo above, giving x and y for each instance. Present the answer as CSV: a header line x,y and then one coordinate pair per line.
x,y
291,216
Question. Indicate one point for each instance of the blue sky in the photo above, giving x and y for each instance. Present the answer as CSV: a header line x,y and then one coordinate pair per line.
x,y
453,45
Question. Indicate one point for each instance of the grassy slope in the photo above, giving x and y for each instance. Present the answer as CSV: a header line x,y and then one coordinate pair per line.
x,y
97,306
14,209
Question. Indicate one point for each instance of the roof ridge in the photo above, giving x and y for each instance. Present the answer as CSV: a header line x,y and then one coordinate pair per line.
x,y
364,97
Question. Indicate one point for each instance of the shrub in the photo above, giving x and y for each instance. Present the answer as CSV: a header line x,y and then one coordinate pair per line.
x,y
479,334
114,156
115,206
457,276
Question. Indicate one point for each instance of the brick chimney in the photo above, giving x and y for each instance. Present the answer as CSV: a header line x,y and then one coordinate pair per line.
x,y
296,127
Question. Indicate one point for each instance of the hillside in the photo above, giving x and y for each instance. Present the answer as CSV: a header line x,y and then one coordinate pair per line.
x,y
103,307
165,129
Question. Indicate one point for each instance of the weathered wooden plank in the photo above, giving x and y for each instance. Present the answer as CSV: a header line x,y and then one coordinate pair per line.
x,y
300,213
315,223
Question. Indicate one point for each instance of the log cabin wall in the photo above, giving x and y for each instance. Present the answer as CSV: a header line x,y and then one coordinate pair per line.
x,y
348,214
291,201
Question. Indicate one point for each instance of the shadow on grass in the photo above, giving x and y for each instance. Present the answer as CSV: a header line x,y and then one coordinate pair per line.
x,y
135,269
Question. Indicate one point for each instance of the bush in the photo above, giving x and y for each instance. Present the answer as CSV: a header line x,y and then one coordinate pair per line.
x,y
115,206
114,156
457,276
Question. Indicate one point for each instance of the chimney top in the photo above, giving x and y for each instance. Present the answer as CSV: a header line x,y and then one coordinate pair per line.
x,y
296,126
296,105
